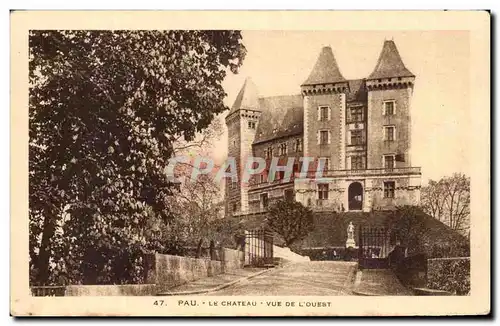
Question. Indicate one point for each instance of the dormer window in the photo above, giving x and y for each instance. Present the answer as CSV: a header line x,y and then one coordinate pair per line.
x,y
298,145
269,152
282,149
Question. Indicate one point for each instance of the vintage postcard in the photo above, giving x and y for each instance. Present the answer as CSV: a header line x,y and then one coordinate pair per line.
x,y
205,163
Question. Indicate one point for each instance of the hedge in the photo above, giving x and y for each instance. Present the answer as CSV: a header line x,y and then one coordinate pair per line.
x,y
449,274
329,253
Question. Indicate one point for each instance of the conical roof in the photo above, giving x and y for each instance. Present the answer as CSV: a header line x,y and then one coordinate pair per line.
x,y
326,70
390,63
248,97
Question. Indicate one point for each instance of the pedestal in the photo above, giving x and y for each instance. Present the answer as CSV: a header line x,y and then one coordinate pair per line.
x,y
350,243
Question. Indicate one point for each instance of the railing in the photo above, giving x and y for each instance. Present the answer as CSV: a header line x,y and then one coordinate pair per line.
x,y
48,291
259,248
363,172
254,186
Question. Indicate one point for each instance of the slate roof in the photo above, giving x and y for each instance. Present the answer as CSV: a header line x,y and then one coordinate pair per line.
x,y
357,91
390,63
248,97
326,70
281,116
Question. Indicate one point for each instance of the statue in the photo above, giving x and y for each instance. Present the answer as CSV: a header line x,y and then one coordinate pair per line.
x,y
350,236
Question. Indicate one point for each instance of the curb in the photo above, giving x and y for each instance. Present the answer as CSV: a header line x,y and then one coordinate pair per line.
x,y
217,288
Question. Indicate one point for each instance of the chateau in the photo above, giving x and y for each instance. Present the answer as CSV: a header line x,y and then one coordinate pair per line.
x,y
360,129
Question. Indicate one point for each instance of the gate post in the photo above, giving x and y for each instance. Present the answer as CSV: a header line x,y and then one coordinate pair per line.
x,y
360,247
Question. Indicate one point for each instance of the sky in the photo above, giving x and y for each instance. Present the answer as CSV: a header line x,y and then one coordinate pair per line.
x,y
279,61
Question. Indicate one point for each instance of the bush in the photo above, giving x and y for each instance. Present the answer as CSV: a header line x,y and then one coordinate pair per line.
x,y
450,251
449,274
330,253
412,270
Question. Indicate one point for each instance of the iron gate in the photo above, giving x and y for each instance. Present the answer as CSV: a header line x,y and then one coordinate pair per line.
x,y
374,247
259,248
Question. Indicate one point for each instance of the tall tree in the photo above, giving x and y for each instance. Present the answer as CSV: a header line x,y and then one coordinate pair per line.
x,y
106,108
291,220
448,200
199,205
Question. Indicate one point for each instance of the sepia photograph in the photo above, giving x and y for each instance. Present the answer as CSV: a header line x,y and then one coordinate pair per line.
x,y
181,164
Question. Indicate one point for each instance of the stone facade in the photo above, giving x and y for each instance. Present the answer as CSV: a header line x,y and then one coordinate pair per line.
x,y
360,129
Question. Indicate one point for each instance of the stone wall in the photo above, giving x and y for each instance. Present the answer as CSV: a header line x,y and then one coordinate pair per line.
x,y
167,272
306,192
335,150
407,192
232,259
376,145
173,271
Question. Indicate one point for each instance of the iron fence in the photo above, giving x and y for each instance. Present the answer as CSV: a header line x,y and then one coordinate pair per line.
x,y
259,248
374,247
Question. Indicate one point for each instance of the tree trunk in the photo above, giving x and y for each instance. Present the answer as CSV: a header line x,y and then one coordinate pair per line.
x,y
212,250
198,248
44,252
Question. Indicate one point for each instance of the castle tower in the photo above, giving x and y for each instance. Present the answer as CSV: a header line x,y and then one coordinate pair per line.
x,y
324,111
390,87
241,121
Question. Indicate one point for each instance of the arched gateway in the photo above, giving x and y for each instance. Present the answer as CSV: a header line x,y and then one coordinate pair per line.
x,y
355,196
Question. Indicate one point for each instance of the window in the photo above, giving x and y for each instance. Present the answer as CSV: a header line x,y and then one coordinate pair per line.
x,y
389,107
323,137
251,125
389,161
324,113
389,187
323,191
269,152
280,175
234,207
264,201
357,113
262,178
356,137
357,163
325,161
298,145
282,149
289,195
389,133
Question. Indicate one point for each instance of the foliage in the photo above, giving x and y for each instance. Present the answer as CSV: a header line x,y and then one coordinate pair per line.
x,y
408,227
449,274
329,253
106,109
410,270
448,200
291,220
453,250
